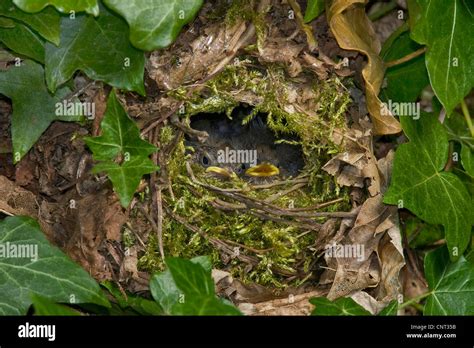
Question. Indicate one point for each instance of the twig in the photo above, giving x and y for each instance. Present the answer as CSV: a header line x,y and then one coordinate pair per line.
x,y
159,231
319,206
281,182
153,225
467,116
280,194
312,43
214,241
201,136
406,58
385,8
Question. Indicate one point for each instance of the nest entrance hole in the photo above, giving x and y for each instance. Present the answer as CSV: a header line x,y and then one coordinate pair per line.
x,y
243,140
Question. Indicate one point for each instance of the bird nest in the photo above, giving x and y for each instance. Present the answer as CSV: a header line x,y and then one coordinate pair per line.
x,y
271,231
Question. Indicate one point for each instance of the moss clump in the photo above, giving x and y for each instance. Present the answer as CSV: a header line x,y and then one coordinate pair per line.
x,y
280,249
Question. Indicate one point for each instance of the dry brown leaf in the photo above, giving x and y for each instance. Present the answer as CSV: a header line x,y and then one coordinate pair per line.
x,y
15,200
290,305
376,231
357,163
353,31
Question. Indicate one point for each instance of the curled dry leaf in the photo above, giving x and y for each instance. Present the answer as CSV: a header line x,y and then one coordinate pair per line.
x,y
353,31
376,235
358,162
375,230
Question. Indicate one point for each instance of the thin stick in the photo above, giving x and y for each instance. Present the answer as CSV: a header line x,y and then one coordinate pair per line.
x,y
383,11
319,206
406,58
312,43
467,116
280,194
153,225
159,231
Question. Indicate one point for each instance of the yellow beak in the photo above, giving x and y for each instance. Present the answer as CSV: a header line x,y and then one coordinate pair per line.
x,y
221,172
262,170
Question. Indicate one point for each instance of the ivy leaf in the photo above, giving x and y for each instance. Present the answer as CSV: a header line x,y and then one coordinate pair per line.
x,y
7,22
190,277
164,289
121,140
451,285
33,106
205,305
65,6
138,304
420,184
100,48
467,159
390,310
449,59
120,135
405,81
187,288
126,177
155,24
341,306
45,23
421,234
50,274
22,40
43,306
313,10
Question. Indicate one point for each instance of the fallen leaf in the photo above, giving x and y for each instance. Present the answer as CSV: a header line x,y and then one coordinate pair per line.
x,y
353,31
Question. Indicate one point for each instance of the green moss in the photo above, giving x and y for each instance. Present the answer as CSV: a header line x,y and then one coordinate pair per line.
x,y
279,246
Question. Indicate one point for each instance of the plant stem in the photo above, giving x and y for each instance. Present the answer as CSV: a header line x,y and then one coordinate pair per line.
x,y
406,58
467,116
312,43
383,11
414,301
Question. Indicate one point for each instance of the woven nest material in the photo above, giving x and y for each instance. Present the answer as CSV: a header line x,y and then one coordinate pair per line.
x,y
273,233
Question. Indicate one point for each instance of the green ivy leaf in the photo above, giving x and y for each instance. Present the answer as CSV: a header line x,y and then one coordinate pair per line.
x,y
121,140
155,24
190,277
43,306
126,177
120,135
313,10
65,6
205,305
33,106
163,288
467,160
100,48
140,305
390,310
421,234
187,288
7,22
45,23
450,57
22,40
420,184
52,274
405,81
341,306
451,285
